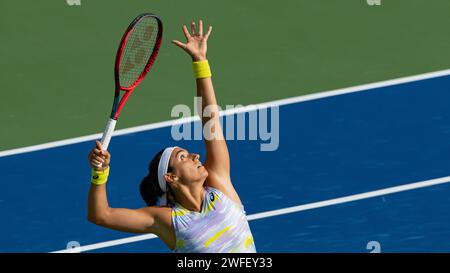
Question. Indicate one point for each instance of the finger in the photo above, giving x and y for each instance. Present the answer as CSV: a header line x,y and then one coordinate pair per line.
x,y
98,156
193,28
98,145
200,27
96,163
99,159
180,44
186,32
208,32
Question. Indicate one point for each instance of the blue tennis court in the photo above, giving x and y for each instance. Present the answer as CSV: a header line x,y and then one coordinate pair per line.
x,y
331,147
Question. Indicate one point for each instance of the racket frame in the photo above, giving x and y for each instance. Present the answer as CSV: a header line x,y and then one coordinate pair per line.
x,y
120,102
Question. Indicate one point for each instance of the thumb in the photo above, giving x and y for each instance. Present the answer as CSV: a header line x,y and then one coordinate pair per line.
x,y
98,144
179,44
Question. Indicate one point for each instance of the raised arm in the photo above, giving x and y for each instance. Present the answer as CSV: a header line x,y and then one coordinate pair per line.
x,y
144,220
217,159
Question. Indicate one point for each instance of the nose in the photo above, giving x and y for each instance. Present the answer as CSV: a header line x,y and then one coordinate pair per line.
x,y
196,157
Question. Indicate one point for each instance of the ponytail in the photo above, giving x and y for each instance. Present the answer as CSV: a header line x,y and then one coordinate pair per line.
x,y
149,187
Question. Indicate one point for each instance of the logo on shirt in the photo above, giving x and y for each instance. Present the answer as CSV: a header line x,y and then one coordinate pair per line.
x,y
212,197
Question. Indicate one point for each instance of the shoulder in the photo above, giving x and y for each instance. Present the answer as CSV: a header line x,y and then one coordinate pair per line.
x,y
162,224
161,215
214,192
222,184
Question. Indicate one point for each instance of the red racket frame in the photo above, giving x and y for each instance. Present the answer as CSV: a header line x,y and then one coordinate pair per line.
x,y
118,105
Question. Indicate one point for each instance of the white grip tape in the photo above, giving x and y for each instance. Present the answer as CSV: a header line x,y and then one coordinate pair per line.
x,y
107,134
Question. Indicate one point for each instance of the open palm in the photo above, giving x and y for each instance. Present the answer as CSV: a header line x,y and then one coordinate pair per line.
x,y
196,42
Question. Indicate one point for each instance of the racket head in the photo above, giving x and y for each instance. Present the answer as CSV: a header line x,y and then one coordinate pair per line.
x,y
137,51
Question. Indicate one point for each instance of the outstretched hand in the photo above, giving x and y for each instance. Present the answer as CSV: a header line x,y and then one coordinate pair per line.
x,y
196,42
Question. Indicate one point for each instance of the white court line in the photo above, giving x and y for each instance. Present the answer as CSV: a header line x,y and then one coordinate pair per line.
x,y
277,212
249,108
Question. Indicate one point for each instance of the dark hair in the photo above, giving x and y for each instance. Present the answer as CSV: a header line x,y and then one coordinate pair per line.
x,y
149,188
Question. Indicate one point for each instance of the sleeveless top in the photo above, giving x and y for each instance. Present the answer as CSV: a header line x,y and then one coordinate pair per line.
x,y
220,227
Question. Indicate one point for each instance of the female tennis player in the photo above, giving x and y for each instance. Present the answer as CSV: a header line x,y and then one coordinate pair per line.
x,y
191,207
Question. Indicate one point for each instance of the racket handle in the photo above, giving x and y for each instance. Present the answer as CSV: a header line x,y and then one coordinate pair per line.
x,y
107,134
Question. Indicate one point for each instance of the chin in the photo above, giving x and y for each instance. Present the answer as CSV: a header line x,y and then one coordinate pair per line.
x,y
204,172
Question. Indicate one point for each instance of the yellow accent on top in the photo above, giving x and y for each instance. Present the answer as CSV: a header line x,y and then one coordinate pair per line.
x,y
216,236
248,241
180,243
211,204
181,212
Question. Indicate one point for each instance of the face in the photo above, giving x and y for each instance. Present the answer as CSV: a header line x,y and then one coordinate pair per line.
x,y
187,166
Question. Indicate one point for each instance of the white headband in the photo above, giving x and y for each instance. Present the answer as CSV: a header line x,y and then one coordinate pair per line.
x,y
162,170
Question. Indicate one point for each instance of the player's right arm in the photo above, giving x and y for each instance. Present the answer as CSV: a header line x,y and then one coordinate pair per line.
x,y
144,220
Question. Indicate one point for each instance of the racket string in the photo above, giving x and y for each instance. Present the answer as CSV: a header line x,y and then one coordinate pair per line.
x,y
138,49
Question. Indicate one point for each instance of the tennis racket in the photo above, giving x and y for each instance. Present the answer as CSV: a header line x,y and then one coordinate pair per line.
x,y
137,51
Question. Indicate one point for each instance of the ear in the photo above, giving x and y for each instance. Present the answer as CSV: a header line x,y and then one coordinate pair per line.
x,y
170,177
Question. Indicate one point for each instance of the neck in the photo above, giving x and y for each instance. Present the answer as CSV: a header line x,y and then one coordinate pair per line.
x,y
191,197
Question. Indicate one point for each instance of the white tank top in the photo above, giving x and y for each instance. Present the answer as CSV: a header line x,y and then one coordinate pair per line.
x,y
220,227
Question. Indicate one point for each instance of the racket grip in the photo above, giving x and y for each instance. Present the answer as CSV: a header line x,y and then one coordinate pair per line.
x,y
107,134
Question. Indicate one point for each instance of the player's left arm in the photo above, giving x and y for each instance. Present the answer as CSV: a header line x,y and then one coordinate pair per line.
x,y
217,160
